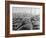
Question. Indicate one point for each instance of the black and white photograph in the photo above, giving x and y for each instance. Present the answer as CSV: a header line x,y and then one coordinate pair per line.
x,y
25,18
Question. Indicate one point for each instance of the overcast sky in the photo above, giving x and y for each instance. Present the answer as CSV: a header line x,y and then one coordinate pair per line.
x,y
30,10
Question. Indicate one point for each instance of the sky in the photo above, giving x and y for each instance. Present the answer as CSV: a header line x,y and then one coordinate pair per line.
x,y
29,10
